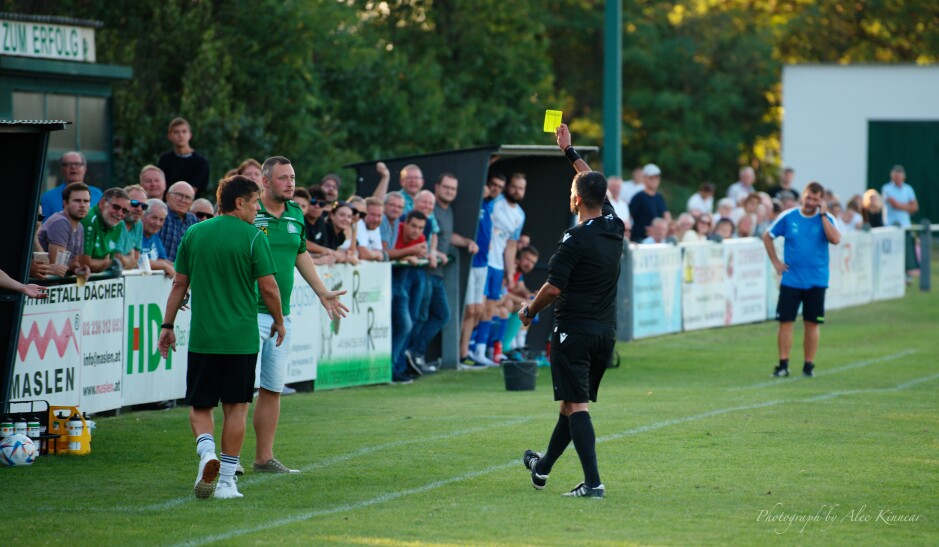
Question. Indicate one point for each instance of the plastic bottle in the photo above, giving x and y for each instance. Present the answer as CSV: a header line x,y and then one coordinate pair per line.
x,y
32,429
75,428
90,424
6,426
60,426
20,425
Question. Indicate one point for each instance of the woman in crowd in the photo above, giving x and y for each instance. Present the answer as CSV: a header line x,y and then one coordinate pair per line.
x,y
252,169
873,209
701,230
339,233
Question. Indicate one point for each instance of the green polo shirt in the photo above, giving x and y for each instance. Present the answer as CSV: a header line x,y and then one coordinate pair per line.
x,y
224,257
100,239
287,237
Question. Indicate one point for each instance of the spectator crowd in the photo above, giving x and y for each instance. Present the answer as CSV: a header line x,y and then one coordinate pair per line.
x,y
86,230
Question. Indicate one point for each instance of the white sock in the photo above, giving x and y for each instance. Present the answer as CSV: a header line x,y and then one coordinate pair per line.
x,y
520,338
205,444
229,464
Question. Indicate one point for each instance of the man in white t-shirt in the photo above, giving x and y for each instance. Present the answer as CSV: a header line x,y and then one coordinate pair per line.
x,y
634,185
614,190
507,221
702,201
368,232
743,187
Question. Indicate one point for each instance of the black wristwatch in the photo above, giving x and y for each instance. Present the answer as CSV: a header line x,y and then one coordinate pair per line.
x,y
525,312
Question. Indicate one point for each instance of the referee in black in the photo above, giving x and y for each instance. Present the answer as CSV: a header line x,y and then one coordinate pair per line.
x,y
582,278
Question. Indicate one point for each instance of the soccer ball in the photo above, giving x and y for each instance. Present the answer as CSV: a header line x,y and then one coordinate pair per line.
x,y
16,450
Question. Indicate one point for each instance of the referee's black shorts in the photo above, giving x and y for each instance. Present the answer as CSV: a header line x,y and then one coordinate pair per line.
x,y
578,362
812,301
212,377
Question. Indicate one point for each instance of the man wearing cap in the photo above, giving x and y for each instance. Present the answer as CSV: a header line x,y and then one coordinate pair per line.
x,y
648,204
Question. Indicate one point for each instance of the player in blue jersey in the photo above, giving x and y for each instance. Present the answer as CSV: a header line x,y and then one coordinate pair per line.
x,y
807,231
475,286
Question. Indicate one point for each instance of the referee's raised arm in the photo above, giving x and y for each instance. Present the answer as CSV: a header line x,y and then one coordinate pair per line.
x,y
564,143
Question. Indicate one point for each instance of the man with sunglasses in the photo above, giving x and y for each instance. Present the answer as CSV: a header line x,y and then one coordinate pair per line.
x,y
203,209
316,226
73,167
178,199
102,229
130,244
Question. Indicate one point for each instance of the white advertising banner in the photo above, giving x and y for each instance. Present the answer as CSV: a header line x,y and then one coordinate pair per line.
x,y
889,275
69,351
745,280
147,376
773,279
851,280
49,355
656,290
102,344
305,323
702,296
356,350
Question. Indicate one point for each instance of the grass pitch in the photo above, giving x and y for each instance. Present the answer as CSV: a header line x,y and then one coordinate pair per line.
x,y
696,444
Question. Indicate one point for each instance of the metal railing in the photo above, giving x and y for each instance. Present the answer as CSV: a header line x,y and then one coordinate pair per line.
x,y
925,230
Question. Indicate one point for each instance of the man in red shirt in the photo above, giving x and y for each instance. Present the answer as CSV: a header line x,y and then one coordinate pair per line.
x,y
404,302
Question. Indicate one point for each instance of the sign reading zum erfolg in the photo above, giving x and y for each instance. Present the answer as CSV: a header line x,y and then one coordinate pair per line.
x,y
47,41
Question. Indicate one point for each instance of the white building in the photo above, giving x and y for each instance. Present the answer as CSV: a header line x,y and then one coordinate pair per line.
x,y
845,126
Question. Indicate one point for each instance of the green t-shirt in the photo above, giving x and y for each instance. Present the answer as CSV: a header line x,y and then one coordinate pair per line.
x,y
223,257
130,239
287,236
100,239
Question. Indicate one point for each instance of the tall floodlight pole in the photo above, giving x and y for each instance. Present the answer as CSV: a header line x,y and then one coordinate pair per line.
x,y
613,88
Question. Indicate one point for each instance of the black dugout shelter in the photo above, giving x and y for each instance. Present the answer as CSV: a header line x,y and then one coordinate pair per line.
x,y
546,206
23,146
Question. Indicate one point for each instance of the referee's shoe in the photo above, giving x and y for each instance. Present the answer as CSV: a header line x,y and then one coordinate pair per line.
x,y
530,460
584,491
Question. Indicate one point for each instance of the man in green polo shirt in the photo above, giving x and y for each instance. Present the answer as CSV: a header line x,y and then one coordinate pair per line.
x,y
223,259
281,219
102,228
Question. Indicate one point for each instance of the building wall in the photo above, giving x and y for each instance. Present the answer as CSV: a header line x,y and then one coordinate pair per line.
x,y
826,113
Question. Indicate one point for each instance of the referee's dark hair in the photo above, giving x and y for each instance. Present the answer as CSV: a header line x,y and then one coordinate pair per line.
x,y
591,187
233,188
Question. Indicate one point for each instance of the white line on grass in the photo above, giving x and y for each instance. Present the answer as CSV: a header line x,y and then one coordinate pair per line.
x,y
849,366
259,478
515,462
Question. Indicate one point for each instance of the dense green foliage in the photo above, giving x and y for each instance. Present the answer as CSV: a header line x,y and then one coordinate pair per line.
x,y
327,82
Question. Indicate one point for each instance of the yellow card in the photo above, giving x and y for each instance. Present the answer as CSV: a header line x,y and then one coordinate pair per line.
x,y
552,119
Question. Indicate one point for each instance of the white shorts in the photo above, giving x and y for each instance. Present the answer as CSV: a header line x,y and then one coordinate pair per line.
x,y
272,360
476,285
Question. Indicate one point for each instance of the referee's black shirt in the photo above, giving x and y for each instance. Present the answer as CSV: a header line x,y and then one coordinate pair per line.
x,y
586,269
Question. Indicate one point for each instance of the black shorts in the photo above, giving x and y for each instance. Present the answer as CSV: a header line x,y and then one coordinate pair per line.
x,y
213,377
578,362
812,300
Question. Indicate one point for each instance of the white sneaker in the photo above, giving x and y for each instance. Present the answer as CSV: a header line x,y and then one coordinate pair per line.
x,y
481,359
227,490
288,391
205,480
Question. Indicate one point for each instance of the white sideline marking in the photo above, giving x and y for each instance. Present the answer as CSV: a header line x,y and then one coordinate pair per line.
x,y
849,366
515,462
259,478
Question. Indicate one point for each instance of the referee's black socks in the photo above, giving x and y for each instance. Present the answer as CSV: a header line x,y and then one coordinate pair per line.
x,y
559,441
585,442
